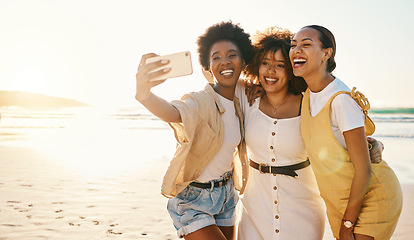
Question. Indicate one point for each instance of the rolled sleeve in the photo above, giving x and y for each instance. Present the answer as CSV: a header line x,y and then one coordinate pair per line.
x,y
187,107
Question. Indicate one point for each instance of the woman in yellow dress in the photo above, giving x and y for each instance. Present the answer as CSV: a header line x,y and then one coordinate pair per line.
x,y
363,200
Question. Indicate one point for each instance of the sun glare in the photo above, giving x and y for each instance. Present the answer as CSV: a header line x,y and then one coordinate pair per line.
x,y
32,78
96,146
84,147
33,64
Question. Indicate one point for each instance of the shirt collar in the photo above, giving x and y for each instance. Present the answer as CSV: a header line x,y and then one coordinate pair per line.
x,y
209,89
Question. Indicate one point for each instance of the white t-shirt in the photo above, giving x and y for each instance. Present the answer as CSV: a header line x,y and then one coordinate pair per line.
x,y
346,114
223,160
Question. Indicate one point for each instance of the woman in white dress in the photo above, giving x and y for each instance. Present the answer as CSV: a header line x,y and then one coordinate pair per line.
x,y
281,200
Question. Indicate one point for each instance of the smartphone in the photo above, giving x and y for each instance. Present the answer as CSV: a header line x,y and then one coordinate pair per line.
x,y
180,64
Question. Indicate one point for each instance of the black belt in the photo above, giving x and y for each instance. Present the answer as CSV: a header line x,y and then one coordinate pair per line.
x,y
215,184
284,170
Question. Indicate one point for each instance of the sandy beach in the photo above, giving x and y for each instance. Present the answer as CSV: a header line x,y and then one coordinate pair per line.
x,y
42,200
111,189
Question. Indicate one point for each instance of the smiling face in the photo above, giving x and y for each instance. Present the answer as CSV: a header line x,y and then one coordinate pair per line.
x,y
226,63
306,53
272,72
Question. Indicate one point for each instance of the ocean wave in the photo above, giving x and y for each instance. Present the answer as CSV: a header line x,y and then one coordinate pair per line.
x,y
411,136
393,118
147,128
392,111
33,127
77,115
42,116
132,117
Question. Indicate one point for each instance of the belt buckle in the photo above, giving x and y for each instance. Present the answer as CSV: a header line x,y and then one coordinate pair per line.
x,y
260,167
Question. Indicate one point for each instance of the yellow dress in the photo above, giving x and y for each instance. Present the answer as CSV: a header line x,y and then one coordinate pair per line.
x,y
334,173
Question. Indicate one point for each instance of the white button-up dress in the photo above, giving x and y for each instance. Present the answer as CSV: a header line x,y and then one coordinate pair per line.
x,y
278,206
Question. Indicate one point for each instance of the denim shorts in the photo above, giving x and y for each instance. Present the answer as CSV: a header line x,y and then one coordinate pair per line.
x,y
195,208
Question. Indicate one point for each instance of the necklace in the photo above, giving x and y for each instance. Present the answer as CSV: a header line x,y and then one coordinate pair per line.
x,y
277,107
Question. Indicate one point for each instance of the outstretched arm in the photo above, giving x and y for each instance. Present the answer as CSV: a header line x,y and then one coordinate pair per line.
x,y
144,82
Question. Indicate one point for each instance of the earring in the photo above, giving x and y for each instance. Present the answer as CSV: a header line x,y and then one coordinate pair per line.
x,y
208,75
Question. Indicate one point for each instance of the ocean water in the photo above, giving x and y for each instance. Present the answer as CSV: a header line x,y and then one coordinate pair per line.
x,y
132,138
396,123
89,142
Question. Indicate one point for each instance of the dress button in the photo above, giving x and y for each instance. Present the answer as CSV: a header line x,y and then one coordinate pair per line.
x,y
274,187
273,133
271,147
277,216
275,122
275,201
277,230
274,174
273,159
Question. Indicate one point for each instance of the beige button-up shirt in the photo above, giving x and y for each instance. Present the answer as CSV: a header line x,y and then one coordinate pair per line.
x,y
199,137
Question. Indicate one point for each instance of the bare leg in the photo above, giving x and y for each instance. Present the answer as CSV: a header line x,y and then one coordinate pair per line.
x,y
362,237
211,232
229,232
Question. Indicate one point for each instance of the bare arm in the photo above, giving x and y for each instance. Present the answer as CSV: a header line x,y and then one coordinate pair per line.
x,y
358,152
156,105
253,91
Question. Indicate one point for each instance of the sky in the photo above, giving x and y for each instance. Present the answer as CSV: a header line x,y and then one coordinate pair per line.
x,y
89,50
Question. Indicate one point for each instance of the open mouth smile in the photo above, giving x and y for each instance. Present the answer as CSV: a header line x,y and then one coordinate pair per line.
x,y
298,62
227,72
270,80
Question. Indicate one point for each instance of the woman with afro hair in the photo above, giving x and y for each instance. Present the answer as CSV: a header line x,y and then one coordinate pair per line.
x,y
210,162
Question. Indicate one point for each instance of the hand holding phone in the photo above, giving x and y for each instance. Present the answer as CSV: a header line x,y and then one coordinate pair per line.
x,y
180,64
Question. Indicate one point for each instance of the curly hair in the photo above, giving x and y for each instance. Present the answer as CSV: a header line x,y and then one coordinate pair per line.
x,y
224,31
272,40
